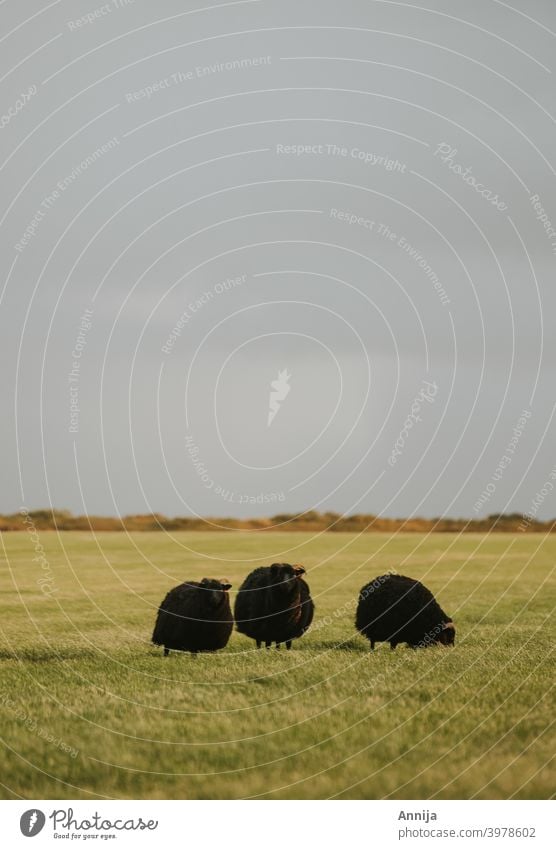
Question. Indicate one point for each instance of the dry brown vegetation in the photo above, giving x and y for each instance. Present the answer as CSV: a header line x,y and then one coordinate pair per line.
x,y
64,520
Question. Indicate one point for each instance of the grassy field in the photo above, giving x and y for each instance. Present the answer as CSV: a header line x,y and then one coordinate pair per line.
x,y
91,710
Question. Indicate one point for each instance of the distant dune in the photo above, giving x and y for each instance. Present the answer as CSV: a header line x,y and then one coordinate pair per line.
x,y
64,520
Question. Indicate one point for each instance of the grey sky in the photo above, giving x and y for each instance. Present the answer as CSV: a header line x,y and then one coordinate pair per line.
x,y
199,143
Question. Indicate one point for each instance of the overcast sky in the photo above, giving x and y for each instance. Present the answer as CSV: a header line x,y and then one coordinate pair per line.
x,y
351,201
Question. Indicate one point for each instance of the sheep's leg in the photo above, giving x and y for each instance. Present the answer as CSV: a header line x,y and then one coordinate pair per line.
x,y
288,644
166,651
259,644
277,646
392,646
268,645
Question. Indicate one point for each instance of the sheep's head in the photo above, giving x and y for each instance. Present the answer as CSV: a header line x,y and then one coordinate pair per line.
x,y
448,634
284,577
214,590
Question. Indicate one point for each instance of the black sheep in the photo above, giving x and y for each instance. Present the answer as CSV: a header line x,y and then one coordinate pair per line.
x,y
274,605
196,616
396,609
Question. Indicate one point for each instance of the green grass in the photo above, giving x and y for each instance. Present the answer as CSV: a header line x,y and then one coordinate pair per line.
x,y
327,719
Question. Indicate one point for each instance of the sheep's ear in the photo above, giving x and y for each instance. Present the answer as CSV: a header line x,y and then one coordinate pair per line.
x,y
299,569
449,625
204,582
225,584
275,569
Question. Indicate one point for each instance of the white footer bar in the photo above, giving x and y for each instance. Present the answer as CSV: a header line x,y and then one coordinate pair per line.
x,y
279,824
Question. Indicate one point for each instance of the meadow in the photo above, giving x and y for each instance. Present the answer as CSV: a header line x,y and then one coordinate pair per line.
x,y
90,709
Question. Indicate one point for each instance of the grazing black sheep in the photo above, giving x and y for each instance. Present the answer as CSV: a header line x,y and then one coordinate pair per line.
x,y
195,617
274,605
396,609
